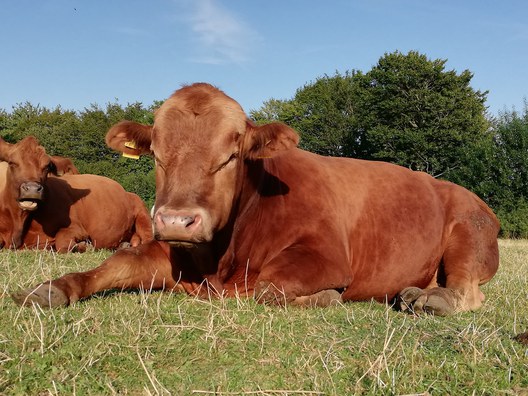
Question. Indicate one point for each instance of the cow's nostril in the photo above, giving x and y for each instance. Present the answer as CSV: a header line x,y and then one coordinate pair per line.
x,y
37,187
185,221
178,225
31,190
182,221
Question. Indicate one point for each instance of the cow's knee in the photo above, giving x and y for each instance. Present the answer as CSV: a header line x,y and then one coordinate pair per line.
x,y
324,298
267,292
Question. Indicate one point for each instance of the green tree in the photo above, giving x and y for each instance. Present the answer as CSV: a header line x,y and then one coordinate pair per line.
x,y
510,172
413,112
497,171
322,112
407,110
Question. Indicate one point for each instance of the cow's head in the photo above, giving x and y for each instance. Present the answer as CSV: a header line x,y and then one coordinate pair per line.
x,y
27,171
200,140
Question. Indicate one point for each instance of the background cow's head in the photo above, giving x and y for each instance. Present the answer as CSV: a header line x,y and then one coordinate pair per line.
x,y
28,167
200,140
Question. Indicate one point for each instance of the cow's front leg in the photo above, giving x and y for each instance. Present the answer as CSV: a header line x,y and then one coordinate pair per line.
x,y
146,266
300,276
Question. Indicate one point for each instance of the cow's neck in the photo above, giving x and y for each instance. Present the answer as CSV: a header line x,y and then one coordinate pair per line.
x,y
254,183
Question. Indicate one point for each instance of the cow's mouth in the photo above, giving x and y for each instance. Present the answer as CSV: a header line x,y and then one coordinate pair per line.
x,y
185,245
28,204
179,243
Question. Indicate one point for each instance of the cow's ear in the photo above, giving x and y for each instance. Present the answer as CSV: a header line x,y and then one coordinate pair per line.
x,y
267,140
130,138
4,150
52,168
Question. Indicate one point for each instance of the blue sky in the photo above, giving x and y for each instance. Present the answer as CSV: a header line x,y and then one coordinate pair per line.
x,y
74,53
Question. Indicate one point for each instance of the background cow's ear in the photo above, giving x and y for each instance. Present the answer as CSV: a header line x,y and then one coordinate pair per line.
x,y
53,168
130,138
267,140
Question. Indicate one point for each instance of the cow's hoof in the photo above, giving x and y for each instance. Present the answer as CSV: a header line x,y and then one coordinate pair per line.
x,y
124,245
46,295
79,247
437,301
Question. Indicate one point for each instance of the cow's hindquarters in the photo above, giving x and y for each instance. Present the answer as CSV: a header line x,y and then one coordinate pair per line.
x,y
471,258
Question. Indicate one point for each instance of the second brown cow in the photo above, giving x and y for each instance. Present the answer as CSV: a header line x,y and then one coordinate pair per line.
x,y
40,210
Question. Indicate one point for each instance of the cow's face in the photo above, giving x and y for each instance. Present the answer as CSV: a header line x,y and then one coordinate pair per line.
x,y
27,171
199,140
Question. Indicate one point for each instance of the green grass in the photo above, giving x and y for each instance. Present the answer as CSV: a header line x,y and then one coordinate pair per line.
x,y
157,343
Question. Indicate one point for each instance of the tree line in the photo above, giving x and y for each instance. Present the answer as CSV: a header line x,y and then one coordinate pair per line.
x,y
407,109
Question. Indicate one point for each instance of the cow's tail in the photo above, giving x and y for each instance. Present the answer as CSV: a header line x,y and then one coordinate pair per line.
x,y
142,223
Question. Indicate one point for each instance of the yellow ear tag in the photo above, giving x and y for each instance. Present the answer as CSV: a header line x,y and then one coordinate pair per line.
x,y
133,156
131,145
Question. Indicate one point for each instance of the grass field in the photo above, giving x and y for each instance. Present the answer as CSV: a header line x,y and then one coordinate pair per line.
x,y
155,343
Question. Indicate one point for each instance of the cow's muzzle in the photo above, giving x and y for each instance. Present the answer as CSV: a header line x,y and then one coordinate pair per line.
x,y
31,193
180,226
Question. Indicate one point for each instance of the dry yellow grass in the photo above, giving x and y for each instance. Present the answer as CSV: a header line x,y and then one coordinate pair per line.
x,y
157,343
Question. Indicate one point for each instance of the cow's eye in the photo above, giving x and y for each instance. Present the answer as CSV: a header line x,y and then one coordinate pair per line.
x,y
158,163
232,158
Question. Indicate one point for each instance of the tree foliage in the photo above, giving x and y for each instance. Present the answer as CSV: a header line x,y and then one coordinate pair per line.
x,y
413,112
509,170
407,110
321,111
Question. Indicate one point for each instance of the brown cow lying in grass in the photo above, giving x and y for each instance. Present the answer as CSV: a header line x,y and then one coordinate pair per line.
x,y
240,210
38,210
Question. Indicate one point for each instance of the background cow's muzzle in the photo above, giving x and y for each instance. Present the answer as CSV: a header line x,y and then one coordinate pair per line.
x,y
179,225
31,193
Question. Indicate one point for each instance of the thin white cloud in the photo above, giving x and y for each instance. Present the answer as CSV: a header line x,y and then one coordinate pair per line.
x,y
221,36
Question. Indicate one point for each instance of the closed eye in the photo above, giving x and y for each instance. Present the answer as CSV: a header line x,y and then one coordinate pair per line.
x,y
232,158
158,163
